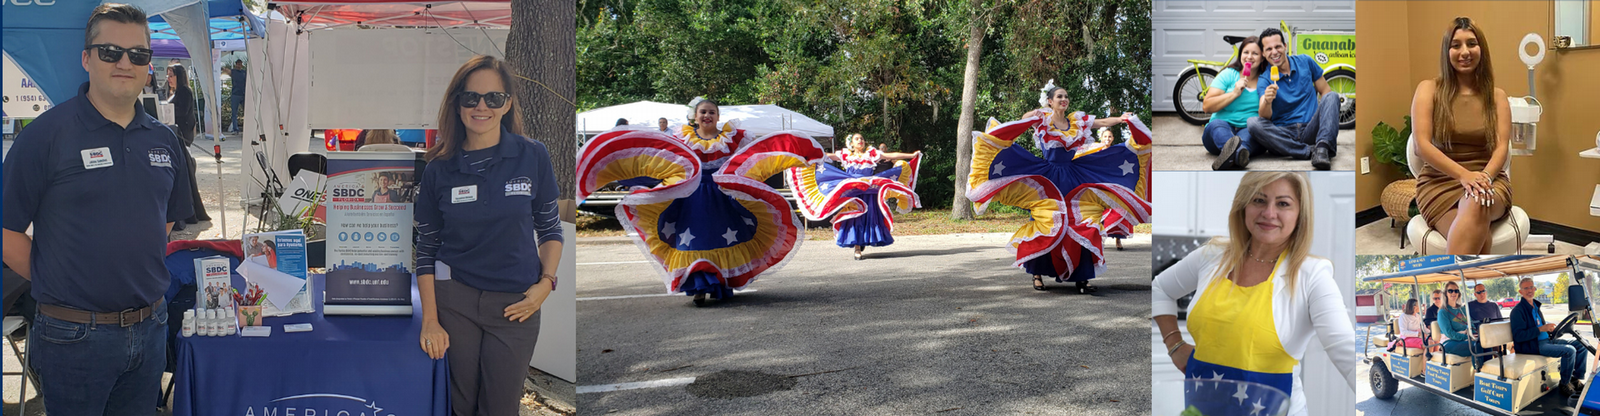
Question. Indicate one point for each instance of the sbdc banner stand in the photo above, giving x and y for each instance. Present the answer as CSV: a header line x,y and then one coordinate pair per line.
x,y
369,234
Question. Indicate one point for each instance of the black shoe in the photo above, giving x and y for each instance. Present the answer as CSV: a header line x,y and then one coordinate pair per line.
x,y
1084,288
700,300
1038,282
1567,391
1232,156
1577,385
1320,158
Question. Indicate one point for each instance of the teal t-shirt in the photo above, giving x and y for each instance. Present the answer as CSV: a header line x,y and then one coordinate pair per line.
x,y
1242,108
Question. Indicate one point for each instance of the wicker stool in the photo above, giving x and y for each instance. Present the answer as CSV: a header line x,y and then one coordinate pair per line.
x,y
1397,199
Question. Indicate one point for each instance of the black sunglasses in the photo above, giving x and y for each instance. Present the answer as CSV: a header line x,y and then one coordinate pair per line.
x,y
112,53
1453,291
469,99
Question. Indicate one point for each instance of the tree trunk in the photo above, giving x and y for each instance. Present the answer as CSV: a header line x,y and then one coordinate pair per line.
x,y
541,49
961,207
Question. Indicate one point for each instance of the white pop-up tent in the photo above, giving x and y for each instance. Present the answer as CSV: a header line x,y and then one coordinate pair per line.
x,y
755,119
377,64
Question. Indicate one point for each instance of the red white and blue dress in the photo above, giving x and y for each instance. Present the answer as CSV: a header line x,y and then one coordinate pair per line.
x,y
697,206
1078,193
862,202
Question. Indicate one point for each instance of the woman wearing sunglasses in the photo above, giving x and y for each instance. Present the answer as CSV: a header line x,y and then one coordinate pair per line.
x,y
698,206
1453,324
488,240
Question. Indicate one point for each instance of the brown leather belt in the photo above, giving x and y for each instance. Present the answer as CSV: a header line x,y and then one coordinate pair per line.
x,y
124,319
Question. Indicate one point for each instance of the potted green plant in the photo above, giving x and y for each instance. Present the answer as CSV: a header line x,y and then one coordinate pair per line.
x,y
1389,146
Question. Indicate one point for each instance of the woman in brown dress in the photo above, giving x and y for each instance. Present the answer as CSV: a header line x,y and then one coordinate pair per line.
x,y
1462,126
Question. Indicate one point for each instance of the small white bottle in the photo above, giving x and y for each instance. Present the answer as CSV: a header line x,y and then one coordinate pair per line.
x,y
188,323
210,322
231,322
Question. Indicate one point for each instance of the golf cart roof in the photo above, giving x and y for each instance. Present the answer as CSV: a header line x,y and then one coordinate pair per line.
x,y
1484,268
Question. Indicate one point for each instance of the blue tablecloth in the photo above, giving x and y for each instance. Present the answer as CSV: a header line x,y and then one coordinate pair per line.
x,y
355,364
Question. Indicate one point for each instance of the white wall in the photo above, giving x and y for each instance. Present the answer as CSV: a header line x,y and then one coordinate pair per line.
x,y
389,78
1196,204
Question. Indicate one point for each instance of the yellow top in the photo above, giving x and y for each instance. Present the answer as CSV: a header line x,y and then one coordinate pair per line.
x,y
1233,326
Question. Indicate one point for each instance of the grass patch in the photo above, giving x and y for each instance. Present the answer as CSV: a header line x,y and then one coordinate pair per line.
x,y
920,222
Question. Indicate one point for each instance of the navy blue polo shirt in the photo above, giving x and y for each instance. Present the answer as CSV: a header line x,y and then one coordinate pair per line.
x,y
1297,93
98,196
486,212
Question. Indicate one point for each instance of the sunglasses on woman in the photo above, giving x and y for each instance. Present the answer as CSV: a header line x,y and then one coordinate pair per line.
x,y
1453,291
469,99
112,53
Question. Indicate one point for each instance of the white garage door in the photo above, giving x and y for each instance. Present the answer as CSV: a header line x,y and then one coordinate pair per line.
x,y
1193,29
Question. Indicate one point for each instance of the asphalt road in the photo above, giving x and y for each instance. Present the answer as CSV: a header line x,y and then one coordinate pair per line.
x,y
931,325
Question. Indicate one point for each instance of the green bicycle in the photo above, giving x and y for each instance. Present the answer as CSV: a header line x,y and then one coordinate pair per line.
x,y
1335,53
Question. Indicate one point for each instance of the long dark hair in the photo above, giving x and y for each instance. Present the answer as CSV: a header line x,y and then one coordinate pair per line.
x,y
452,133
178,72
1238,61
1483,78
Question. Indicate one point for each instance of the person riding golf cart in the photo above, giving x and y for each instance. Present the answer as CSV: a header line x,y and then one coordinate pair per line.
x,y
1501,376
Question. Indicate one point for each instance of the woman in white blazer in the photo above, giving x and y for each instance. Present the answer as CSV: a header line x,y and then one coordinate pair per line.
x,y
1259,297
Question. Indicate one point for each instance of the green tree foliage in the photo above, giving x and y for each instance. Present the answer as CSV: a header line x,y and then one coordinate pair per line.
x,y
1560,294
889,69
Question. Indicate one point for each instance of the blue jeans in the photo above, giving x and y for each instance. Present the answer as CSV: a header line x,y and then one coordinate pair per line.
x,y
1217,133
1297,140
102,368
1572,354
1465,349
236,103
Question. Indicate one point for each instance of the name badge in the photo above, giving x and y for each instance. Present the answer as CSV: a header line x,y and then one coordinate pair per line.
x,y
462,194
97,158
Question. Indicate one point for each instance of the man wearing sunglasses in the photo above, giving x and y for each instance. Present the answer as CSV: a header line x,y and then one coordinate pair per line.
x,y
1482,309
100,182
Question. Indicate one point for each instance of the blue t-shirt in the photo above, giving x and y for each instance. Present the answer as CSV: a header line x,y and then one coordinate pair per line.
x,y
1242,108
485,213
98,196
1539,318
1297,93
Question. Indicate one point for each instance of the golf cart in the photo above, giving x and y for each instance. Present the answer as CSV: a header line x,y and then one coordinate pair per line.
x,y
1507,383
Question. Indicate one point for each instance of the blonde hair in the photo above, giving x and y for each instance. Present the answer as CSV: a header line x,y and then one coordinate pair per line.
x,y
1237,245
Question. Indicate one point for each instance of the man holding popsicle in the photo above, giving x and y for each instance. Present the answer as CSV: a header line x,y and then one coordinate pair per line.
x,y
1299,112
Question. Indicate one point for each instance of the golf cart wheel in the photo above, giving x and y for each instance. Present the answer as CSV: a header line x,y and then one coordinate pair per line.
x,y
1343,81
1383,383
1186,95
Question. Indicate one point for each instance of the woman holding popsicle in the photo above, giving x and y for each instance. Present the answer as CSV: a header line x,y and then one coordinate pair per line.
x,y
1232,100
1462,128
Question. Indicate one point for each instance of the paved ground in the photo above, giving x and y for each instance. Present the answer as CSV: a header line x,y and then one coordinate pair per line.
x,y
933,324
1409,400
1178,148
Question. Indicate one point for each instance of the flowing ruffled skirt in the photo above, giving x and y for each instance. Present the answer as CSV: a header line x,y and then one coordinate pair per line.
x,y
1076,197
861,204
711,231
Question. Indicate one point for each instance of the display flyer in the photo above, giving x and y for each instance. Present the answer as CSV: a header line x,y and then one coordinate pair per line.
x,y
369,231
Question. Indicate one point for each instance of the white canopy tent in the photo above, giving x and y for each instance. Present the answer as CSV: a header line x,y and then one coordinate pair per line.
x,y
755,119
344,64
